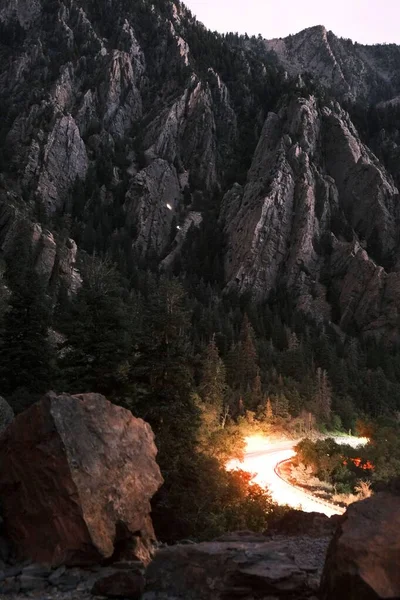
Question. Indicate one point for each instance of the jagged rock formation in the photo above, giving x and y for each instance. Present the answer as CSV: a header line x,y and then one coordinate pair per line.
x,y
350,70
77,120
132,119
64,161
51,260
151,201
193,220
316,201
77,475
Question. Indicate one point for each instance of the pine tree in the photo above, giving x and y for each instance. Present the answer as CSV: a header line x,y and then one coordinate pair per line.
x,y
322,396
268,411
281,406
163,393
232,363
26,358
98,329
256,392
247,366
293,341
162,371
213,378
4,299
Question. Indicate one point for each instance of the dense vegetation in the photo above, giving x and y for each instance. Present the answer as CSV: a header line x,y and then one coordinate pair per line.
x,y
371,467
202,367
191,363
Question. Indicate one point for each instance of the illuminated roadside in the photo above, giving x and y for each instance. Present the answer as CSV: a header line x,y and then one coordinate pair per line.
x,y
261,459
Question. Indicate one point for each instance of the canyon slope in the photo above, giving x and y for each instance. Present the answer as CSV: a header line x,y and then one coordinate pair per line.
x,y
131,127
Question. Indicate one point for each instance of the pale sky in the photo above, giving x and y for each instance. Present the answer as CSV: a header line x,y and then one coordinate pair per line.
x,y
364,21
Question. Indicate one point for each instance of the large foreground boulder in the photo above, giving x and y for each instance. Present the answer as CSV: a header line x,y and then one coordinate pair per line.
x,y
364,556
76,477
241,565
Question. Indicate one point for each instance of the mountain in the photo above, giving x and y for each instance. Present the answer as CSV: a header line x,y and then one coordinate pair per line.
x,y
349,70
203,228
139,132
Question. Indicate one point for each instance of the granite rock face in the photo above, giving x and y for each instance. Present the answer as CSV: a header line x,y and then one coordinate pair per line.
x,y
50,259
26,11
304,219
121,95
151,203
115,115
77,475
349,70
64,161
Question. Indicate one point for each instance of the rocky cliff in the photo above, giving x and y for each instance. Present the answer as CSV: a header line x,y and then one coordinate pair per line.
x,y
130,118
350,70
318,214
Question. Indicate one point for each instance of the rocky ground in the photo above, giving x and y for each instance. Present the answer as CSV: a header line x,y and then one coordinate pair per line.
x,y
113,554
37,581
281,562
287,559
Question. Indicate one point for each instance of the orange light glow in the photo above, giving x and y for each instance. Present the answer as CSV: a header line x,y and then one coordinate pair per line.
x,y
261,459
366,466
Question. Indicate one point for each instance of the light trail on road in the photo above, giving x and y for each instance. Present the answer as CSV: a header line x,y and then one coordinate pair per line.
x,y
261,459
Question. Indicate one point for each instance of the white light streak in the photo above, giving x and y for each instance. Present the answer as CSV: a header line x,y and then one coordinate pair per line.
x,y
261,459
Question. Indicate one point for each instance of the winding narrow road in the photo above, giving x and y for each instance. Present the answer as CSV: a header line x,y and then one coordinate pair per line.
x,y
262,458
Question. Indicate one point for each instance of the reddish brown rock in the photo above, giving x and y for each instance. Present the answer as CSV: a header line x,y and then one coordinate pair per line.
x,y
76,477
363,558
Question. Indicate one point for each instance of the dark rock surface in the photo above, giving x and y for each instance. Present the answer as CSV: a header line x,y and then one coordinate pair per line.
x,y
363,558
77,475
41,582
239,566
6,415
120,583
296,523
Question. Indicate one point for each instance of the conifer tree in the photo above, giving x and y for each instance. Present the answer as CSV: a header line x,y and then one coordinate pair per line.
x,y
256,392
268,411
162,371
26,358
98,331
322,396
232,362
247,366
213,377
281,406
